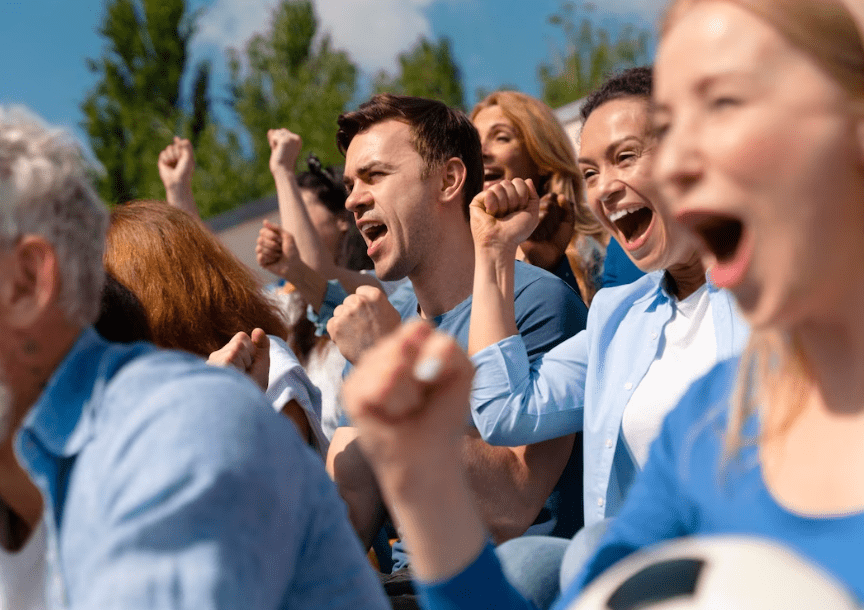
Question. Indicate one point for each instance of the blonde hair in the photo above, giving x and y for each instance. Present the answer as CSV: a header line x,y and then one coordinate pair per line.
x,y
774,369
549,148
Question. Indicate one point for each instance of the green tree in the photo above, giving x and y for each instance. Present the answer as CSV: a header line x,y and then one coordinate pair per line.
x,y
290,80
135,108
591,54
427,70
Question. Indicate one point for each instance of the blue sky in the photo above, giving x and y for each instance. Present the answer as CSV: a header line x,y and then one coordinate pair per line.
x,y
44,43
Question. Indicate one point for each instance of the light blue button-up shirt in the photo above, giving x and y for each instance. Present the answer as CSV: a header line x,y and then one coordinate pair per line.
x,y
172,484
586,382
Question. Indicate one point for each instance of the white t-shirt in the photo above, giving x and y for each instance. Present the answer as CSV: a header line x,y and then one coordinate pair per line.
x,y
288,380
687,351
325,367
22,574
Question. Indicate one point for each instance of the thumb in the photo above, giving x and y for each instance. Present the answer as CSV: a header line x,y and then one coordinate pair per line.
x,y
260,339
532,189
260,369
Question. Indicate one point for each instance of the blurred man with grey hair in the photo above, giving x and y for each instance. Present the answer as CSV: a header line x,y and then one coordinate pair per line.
x,y
160,482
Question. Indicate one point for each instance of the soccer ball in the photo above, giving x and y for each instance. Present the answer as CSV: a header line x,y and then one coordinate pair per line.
x,y
722,573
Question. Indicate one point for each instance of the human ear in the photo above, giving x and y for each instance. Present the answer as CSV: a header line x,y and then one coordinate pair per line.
x,y
453,179
33,281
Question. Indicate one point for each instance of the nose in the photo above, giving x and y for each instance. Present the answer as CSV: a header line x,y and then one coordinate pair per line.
x,y
608,190
358,199
485,150
678,163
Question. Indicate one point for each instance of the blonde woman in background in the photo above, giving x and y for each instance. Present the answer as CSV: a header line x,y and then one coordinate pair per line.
x,y
521,138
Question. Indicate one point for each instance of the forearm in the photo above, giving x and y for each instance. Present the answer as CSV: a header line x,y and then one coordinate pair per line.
x,y
295,218
493,315
511,484
437,518
347,466
351,280
309,283
180,196
516,403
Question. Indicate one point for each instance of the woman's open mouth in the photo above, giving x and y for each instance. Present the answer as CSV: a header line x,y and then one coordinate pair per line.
x,y
632,223
726,239
491,175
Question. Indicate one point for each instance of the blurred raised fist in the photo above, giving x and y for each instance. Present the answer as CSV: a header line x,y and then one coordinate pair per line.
x,y
284,148
176,164
277,252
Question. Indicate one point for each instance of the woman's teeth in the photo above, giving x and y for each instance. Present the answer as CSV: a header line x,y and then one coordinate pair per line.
x,y
632,222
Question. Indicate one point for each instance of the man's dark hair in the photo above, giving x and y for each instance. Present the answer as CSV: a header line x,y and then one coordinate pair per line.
x,y
634,82
439,133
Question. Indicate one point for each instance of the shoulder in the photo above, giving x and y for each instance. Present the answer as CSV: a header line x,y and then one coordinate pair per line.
x,y
535,287
547,310
404,300
168,404
530,278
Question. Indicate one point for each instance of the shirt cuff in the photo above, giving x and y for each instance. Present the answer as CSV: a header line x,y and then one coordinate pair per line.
x,y
481,585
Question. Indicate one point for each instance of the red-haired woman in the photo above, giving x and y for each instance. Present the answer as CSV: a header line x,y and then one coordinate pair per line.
x,y
200,298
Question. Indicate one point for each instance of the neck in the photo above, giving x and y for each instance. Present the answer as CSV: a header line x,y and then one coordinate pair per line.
x,y
28,361
686,278
445,278
834,351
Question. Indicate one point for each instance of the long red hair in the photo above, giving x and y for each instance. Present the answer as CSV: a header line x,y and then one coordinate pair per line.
x,y
196,293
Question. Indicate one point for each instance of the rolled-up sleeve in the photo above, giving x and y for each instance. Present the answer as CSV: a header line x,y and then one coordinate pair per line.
x,y
517,403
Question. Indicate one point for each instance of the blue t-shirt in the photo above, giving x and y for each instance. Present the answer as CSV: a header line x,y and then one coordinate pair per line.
x,y
686,489
547,313
169,483
618,269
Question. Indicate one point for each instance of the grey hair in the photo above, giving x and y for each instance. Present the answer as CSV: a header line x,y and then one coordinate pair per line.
x,y
45,191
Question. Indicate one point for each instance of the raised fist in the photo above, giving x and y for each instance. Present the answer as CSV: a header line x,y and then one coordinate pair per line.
x,y
277,252
284,148
247,353
505,214
361,320
176,164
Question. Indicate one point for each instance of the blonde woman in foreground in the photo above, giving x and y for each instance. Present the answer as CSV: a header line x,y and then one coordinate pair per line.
x,y
759,111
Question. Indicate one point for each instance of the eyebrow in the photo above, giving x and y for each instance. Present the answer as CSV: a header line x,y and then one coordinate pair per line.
x,y
365,169
609,149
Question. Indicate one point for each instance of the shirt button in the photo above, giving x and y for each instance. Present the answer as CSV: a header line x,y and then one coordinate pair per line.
x,y
628,386
600,502
653,335
608,443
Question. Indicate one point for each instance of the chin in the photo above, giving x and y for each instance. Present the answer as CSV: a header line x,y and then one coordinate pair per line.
x,y
388,272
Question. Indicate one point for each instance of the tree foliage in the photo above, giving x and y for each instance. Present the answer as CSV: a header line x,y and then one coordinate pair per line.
x,y
427,70
135,106
591,54
290,80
